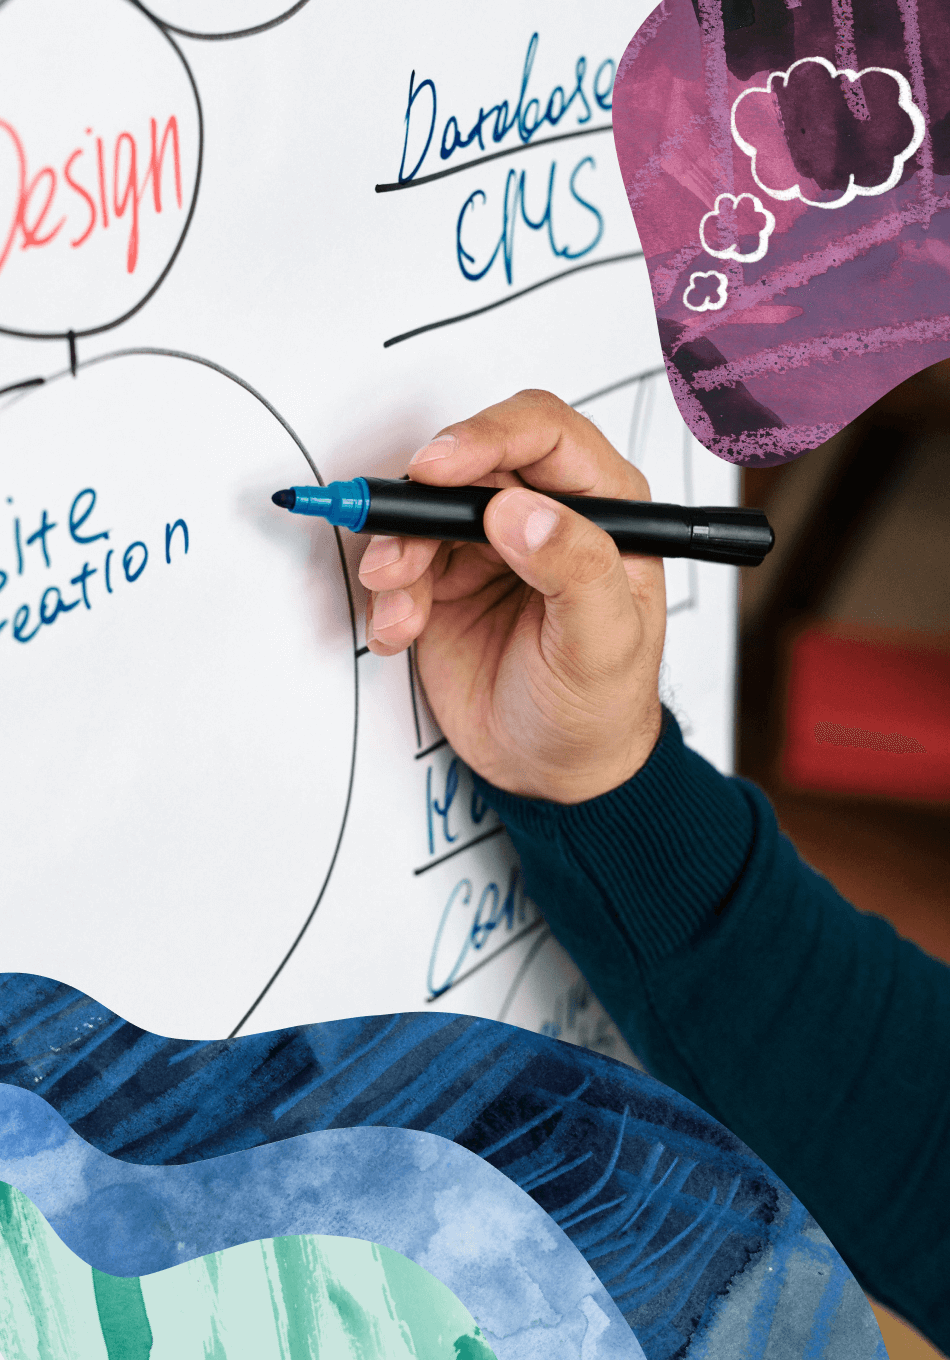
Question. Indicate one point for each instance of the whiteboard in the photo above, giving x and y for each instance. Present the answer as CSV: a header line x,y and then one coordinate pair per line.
x,y
227,266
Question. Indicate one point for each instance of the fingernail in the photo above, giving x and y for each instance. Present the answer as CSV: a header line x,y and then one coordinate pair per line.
x,y
527,524
440,447
390,608
383,550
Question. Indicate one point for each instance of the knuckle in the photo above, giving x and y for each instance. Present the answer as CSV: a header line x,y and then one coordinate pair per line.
x,y
591,557
542,400
481,429
638,484
585,422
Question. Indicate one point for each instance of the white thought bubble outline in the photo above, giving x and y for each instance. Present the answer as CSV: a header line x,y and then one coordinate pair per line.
x,y
732,252
709,304
904,100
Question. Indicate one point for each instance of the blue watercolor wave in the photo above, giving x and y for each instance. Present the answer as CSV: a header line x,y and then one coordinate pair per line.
x,y
529,1289
672,1211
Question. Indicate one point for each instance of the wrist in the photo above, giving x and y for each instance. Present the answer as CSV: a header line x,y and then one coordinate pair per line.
x,y
583,782
666,848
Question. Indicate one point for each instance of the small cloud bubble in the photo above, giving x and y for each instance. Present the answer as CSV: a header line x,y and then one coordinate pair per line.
x,y
707,291
721,225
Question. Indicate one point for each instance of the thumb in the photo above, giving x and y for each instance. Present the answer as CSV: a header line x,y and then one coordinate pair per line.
x,y
591,621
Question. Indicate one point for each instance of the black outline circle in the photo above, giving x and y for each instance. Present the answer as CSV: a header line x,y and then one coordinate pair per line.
x,y
225,37
34,385
73,335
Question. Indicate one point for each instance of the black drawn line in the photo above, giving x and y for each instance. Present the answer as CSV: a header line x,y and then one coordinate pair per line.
x,y
523,967
361,651
511,297
616,386
110,325
492,156
681,606
436,745
462,977
237,33
71,337
26,382
226,373
457,850
692,595
688,468
412,695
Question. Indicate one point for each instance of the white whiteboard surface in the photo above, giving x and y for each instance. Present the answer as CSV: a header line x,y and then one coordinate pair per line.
x,y
217,810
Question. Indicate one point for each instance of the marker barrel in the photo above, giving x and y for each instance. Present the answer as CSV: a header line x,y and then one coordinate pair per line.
x,y
739,537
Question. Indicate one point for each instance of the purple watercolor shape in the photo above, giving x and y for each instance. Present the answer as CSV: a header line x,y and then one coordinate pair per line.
x,y
734,143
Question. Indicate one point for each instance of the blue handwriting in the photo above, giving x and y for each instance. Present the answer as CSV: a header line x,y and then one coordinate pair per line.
x,y
492,912
526,117
54,600
441,810
438,812
513,211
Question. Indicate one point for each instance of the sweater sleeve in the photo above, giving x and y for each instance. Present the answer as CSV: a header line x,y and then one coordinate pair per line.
x,y
743,980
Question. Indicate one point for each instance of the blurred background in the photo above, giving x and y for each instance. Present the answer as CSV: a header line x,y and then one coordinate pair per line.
x,y
844,669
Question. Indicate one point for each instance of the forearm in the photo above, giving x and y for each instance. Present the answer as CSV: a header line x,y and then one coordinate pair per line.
x,y
743,980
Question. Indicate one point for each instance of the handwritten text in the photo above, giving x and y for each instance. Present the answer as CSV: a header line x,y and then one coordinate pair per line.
x,y
35,550
97,183
524,117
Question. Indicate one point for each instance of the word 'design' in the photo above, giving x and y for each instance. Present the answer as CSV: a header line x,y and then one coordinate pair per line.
x,y
99,163
88,189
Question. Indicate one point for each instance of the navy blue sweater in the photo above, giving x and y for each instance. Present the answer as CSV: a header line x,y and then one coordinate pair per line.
x,y
742,979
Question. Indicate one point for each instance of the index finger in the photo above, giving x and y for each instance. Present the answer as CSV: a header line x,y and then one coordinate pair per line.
x,y
537,437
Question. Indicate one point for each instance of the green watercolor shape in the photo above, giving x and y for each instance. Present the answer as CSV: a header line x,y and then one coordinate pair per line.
x,y
281,1298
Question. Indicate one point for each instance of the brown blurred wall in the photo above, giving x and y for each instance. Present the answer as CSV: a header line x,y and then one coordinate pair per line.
x,y
862,537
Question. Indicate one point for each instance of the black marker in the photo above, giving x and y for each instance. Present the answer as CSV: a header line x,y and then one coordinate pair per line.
x,y
373,505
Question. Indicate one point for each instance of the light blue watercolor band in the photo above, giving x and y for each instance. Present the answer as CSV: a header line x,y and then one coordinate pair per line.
x,y
525,1283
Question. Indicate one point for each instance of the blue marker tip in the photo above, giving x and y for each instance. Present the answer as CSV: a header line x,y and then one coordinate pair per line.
x,y
345,504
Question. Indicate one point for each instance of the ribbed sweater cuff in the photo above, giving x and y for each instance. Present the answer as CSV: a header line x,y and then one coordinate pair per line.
x,y
663,852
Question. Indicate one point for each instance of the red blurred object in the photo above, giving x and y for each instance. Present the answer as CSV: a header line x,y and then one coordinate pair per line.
x,y
868,716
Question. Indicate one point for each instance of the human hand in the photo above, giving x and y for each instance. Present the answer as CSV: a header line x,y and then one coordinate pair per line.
x,y
539,653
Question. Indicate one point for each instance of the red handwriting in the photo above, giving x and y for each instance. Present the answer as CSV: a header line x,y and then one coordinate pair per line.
x,y
93,180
